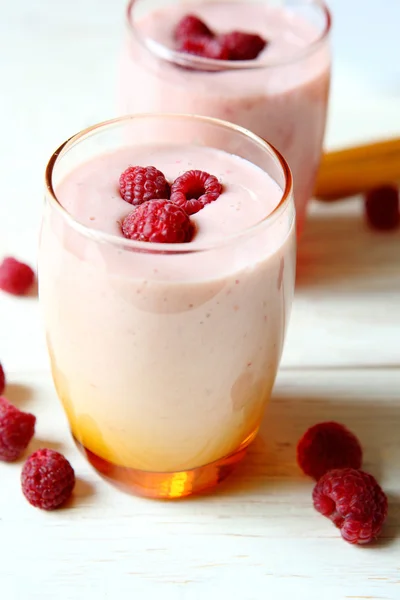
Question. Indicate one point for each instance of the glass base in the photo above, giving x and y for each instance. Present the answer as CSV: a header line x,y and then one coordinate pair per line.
x,y
167,485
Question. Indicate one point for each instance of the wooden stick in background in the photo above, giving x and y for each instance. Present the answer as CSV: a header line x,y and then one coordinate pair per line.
x,y
356,170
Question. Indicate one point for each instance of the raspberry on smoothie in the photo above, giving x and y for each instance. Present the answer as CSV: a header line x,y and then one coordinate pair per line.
x,y
190,27
194,189
159,222
138,184
195,37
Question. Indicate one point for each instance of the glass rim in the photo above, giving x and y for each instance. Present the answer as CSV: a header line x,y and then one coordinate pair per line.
x,y
200,63
159,248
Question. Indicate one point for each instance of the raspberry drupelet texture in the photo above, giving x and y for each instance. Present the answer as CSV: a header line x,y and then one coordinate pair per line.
x,y
17,428
140,184
2,379
47,479
15,277
382,208
328,446
191,26
354,502
243,46
158,221
194,189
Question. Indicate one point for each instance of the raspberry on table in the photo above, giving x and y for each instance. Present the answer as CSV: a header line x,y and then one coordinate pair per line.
x,y
191,26
382,207
205,46
2,379
328,446
354,502
243,46
140,184
15,277
16,430
158,221
194,189
47,479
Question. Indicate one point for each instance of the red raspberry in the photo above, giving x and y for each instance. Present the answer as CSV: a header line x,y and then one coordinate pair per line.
x,y
47,479
191,26
382,208
2,379
243,46
354,502
16,430
140,184
328,446
205,46
15,277
158,221
194,189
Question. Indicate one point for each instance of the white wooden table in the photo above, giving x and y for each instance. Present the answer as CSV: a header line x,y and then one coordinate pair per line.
x,y
258,535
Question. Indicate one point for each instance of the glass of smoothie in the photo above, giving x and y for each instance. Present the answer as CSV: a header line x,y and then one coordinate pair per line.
x,y
165,340
281,95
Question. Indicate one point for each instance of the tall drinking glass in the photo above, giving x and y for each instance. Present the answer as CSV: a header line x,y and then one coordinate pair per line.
x,y
165,355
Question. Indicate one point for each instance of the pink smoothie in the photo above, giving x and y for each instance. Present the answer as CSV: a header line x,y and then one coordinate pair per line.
x,y
283,101
164,362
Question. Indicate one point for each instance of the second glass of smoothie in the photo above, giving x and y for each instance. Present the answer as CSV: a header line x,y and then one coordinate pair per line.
x,y
281,95
164,355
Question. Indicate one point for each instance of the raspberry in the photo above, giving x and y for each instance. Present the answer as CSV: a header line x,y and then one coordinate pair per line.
x,y
140,184
382,208
2,379
158,221
191,26
205,46
47,479
16,430
15,277
328,446
194,189
243,46
195,37
354,502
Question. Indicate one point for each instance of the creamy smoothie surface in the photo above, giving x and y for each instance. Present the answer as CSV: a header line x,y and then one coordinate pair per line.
x,y
91,193
164,362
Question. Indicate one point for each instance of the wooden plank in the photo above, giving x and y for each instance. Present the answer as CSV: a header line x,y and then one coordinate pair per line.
x,y
257,535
